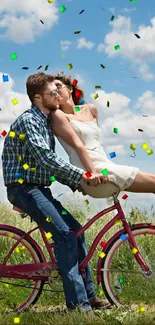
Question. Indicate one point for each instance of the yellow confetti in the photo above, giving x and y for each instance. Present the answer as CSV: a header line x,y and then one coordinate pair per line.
x,y
22,248
26,166
33,169
145,146
101,294
102,254
50,1
17,250
117,222
6,285
86,202
14,101
134,250
95,96
21,181
22,136
16,320
140,309
48,235
48,219
133,147
149,152
70,66
12,134
10,235
19,158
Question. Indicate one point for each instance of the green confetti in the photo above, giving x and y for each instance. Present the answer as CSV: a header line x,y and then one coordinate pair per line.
x,y
77,108
63,9
121,280
64,212
112,17
117,47
70,66
13,56
52,179
98,87
115,130
105,172
132,0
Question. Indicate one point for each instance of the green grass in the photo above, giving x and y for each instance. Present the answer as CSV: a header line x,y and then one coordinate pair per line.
x,y
51,305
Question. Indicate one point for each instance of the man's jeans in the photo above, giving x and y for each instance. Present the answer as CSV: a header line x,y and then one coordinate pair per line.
x,y
38,203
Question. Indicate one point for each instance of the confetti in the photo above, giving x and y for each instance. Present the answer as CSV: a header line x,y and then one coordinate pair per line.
x,y
105,172
86,202
102,66
50,1
13,56
63,9
88,174
95,96
108,103
134,250
115,130
39,67
137,35
77,108
121,280
112,17
123,237
81,101
145,146
52,179
140,130
46,68
77,93
117,47
101,293
16,320
112,154
25,68
41,21
98,87
14,101
102,244
74,82
81,11
77,32
48,235
133,147
140,309
64,212
102,255
117,222
5,78
125,196
70,66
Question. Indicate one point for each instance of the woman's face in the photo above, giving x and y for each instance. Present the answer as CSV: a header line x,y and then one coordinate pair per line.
x,y
64,91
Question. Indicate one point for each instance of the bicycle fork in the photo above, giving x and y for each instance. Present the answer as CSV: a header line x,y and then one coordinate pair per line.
x,y
147,273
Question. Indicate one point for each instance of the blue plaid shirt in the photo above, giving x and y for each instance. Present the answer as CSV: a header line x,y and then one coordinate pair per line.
x,y
29,153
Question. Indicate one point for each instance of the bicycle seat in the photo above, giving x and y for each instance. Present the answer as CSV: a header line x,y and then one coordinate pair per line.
x,y
18,209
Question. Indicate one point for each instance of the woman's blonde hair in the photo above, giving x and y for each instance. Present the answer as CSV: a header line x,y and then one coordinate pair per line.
x,y
77,92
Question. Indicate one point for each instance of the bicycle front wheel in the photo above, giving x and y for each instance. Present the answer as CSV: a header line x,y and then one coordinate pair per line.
x,y
18,294
122,279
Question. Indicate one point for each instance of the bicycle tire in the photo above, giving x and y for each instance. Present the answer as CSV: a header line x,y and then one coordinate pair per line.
x,y
33,298
110,252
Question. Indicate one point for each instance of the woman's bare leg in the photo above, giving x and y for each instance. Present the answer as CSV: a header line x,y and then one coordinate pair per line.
x,y
143,183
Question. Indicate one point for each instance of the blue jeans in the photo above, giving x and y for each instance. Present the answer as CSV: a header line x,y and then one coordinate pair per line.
x,y
37,201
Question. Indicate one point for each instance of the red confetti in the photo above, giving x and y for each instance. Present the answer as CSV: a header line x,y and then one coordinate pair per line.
x,y
78,93
3,133
102,244
151,227
124,197
74,82
88,174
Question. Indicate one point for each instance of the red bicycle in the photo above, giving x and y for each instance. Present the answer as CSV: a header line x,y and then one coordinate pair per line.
x,y
125,265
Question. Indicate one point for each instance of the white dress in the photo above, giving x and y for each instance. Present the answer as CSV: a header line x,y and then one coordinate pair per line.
x,y
120,176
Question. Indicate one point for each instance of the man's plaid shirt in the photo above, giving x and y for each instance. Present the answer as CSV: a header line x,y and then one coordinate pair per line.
x,y
29,153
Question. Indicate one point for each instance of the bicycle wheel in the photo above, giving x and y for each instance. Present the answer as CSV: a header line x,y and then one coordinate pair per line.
x,y
122,279
18,294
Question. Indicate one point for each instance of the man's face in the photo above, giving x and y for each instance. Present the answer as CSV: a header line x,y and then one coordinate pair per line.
x,y
49,98
64,92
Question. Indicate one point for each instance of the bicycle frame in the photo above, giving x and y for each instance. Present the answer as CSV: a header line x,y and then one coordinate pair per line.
x,y
25,271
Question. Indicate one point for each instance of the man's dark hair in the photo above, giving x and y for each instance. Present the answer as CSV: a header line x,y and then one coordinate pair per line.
x,y
37,83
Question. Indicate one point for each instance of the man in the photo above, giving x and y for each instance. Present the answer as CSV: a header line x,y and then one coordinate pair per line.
x,y
29,165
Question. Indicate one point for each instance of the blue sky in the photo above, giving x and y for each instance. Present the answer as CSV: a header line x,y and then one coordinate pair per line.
x,y
36,44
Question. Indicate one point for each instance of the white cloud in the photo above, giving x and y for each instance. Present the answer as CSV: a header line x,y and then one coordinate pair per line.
x,y
65,45
146,103
127,10
139,51
145,72
20,20
112,10
82,43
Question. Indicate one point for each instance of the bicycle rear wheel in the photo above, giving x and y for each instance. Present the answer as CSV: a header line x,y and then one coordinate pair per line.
x,y
122,278
18,294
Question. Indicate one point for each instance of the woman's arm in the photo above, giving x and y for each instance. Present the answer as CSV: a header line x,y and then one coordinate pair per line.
x,y
62,128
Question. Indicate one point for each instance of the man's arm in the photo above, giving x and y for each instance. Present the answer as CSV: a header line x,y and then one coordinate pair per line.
x,y
64,172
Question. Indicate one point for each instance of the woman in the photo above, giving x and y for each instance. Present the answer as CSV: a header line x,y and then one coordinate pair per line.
x,y
77,130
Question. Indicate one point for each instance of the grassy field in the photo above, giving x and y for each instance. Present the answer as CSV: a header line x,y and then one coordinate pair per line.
x,y
50,308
